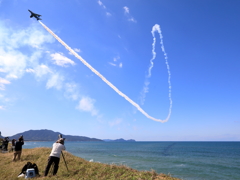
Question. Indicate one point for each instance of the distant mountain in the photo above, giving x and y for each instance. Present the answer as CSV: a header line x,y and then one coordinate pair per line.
x,y
119,140
49,135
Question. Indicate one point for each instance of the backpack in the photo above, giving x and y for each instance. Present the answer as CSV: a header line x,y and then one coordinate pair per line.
x,y
34,166
29,165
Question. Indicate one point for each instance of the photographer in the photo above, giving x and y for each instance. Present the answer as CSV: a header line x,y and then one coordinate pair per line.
x,y
18,148
54,157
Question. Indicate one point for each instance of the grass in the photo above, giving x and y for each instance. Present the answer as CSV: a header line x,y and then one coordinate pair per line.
x,y
78,168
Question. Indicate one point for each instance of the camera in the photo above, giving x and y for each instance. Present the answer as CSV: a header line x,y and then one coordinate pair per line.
x,y
21,138
60,136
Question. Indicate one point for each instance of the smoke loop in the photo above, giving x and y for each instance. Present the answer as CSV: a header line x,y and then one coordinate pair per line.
x,y
104,79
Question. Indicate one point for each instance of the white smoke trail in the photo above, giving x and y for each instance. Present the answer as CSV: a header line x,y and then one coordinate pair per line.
x,y
153,51
103,78
156,28
146,83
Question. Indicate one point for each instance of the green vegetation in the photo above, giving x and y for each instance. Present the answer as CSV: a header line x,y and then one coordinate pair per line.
x,y
78,168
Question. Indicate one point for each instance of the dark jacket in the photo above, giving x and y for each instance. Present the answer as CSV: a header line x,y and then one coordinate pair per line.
x,y
18,146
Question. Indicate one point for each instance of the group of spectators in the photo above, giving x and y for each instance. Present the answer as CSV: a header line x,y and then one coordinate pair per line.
x,y
16,147
54,156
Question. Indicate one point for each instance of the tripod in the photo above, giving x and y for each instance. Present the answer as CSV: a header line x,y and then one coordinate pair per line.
x,y
64,160
60,136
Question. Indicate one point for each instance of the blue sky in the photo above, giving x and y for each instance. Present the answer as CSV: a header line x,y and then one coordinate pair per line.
x,y
194,77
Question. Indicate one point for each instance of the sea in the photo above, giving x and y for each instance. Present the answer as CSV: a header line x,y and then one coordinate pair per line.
x,y
184,160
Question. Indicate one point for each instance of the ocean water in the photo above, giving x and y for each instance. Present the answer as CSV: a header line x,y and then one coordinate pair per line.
x,y
185,160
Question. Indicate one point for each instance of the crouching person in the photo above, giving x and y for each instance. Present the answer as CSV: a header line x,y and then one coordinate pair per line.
x,y
54,157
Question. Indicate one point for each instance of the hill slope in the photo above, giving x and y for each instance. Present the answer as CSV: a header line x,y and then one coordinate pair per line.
x,y
78,168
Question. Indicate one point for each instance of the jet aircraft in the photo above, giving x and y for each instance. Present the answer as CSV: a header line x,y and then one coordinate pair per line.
x,y
34,15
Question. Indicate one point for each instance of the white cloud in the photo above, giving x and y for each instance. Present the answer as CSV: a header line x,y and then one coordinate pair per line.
x,y
3,82
101,4
87,104
127,13
132,19
104,7
14,61
116,58
115,122
120,65
21,52
108,14
77,50
30,70
126,9
3,98
112,64
11,76
2,108
42,70
71,91
55,81
61,60
32,36
2,70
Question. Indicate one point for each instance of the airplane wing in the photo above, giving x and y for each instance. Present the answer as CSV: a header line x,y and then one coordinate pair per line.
x,y
34,14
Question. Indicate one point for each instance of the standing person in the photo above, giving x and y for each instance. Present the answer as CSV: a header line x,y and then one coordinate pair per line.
x,y
18,148
54,157
5,144
13,144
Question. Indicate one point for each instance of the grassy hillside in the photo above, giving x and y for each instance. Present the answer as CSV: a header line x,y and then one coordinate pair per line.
x,y
78,168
